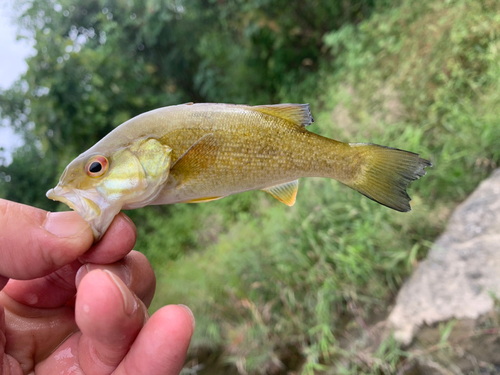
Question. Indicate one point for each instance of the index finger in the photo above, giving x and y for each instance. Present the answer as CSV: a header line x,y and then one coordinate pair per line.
x,y
36,242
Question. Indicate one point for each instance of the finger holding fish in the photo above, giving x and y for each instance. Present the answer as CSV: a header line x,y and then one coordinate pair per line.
x,y
117,241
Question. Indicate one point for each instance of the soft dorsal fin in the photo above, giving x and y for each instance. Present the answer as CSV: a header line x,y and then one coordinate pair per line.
x,y
198,157
285,193
299,114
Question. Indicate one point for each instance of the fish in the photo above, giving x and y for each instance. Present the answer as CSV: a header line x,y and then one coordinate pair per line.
x,y
193,153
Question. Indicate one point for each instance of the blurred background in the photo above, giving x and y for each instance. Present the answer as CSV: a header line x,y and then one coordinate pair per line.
x,y
275,290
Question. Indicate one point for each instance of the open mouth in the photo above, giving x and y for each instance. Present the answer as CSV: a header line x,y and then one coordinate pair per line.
x,y
89,204
76,200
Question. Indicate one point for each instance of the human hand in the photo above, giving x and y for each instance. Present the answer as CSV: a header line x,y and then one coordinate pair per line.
x,y
72,307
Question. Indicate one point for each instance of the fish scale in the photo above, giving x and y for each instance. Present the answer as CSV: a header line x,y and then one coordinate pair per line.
x,y
201,152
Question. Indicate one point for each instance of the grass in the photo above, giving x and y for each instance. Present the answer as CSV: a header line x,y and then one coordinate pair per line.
x,y
263,278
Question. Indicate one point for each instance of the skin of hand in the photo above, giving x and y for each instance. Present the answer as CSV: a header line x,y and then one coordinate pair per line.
x,y
68,306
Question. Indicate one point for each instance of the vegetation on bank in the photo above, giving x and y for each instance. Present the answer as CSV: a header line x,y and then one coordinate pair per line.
x,y
277,288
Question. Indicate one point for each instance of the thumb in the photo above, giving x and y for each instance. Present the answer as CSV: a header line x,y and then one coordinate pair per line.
x,y
36,242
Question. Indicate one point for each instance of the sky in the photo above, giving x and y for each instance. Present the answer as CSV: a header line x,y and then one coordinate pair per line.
x,y
12,64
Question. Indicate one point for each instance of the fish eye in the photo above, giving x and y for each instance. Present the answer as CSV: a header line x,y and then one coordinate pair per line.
x,y
96,166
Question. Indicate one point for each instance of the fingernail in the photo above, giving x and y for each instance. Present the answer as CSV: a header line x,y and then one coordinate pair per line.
x,y
119,270
82,271
193,321
64,224
129,301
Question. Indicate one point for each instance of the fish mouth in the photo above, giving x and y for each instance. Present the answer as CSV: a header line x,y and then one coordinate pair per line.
x,y
89,204
85,207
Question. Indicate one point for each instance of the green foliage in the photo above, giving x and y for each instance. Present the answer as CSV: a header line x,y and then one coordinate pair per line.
x,y
313,272
439,61
101,62
265,280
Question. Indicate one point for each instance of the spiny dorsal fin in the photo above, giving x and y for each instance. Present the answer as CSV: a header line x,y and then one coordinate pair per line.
x,y
199,156
299,114
285,193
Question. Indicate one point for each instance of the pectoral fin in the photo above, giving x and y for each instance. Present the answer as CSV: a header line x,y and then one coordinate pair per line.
x,y
285,193
198,157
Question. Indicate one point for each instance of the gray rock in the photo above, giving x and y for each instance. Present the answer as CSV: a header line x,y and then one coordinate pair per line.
x,y
461,271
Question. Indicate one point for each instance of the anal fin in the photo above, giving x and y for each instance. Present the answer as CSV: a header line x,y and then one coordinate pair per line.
x,y
285,193
203,200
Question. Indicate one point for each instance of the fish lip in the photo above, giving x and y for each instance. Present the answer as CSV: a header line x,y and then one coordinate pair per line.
x,y
89,204
85,206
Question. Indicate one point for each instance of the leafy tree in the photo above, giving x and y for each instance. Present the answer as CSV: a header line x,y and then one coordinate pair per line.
x,y
101,62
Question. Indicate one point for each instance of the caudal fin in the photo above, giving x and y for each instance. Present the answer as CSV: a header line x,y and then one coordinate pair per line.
x,y
385,174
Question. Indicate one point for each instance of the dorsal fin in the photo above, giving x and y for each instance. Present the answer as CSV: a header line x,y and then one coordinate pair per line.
x,y
285,193
299,114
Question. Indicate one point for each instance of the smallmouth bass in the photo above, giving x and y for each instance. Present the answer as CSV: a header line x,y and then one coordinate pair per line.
x,y
193,153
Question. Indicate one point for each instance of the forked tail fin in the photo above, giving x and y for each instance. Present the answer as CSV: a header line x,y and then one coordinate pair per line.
x,y
385,174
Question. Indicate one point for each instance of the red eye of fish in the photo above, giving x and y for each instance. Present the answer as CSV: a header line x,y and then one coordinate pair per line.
x,y
96,166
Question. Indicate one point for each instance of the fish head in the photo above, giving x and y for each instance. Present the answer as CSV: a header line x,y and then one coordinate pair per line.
x,y
98,184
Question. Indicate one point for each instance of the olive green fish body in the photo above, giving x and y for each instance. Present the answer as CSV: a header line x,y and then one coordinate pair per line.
x,y
241,149
248,150
201,152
